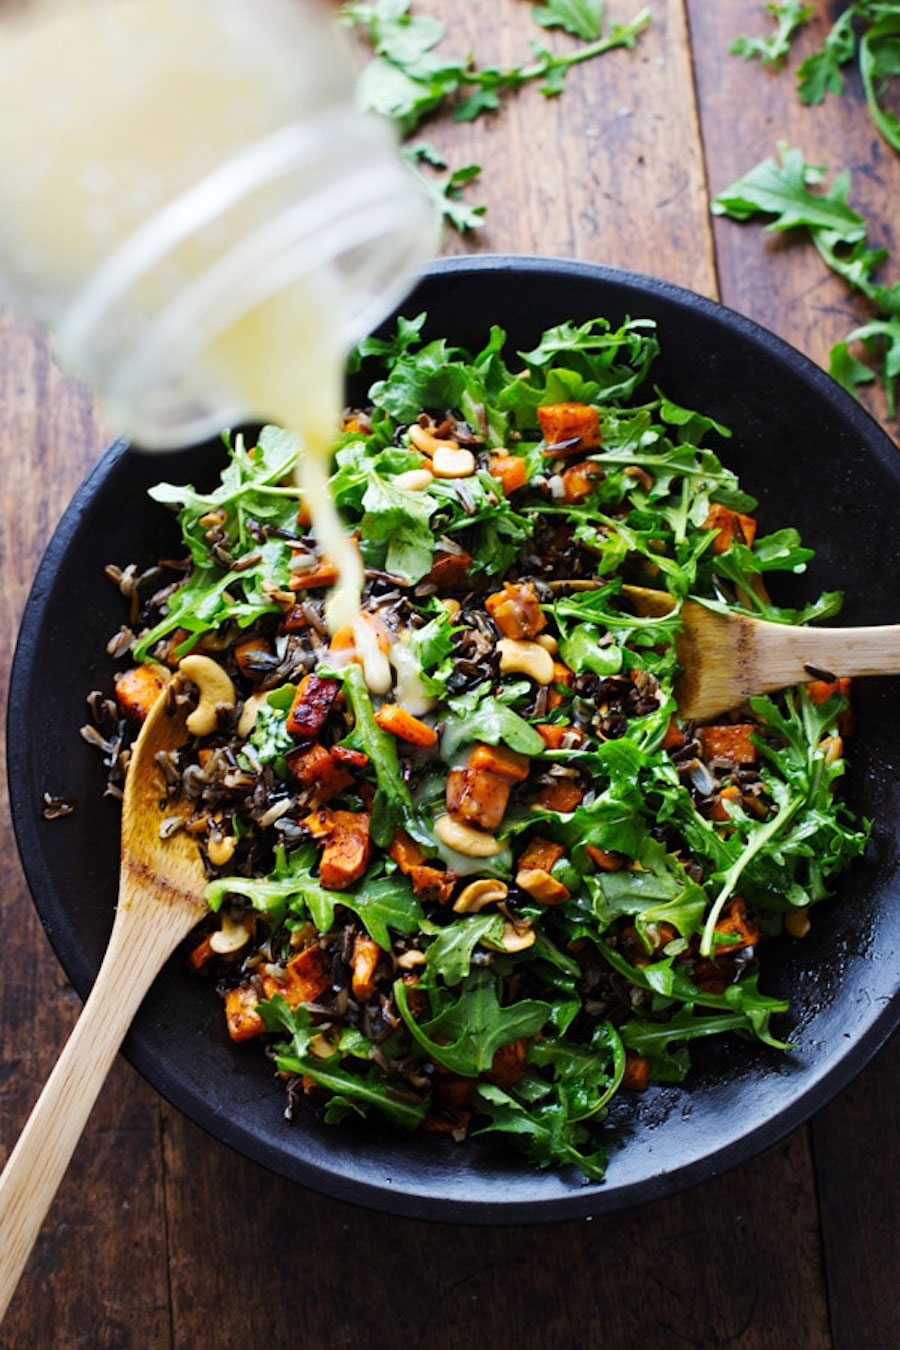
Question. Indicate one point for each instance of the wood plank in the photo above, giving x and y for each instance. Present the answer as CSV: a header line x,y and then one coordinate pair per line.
x,y
855,1149
610,171
107,1223
735,1261
779,279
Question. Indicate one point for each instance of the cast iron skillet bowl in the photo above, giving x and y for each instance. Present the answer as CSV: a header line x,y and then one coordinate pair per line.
x,y
814,459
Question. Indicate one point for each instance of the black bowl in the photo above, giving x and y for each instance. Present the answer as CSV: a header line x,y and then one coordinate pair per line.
x,y
814,459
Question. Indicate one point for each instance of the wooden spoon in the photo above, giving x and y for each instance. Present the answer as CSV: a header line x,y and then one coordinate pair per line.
x,y
727,658
161,889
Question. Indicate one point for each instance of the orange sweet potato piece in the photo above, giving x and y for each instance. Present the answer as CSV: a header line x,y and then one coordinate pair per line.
x,y
719,811
241,1017
400,723
508,1063
353,759
561,795
542,853
366,953
295,620
311,705
250,656
674,737
500,760
605,860
637,1072
405,852
315,766
579,480
562,674
734,923
430,883
477,797
561,423
323,574
820,690
201,954
729,526
553,735
347,850
516,610
729,742
511,470
306,976
138,689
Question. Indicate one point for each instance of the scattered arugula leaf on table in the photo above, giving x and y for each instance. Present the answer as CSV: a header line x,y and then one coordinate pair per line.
x,y
785,190
771,51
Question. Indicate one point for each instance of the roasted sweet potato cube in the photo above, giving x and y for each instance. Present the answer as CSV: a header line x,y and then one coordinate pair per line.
x,y
674,737
477,797
605,860
402,724
516,610
637,1072
405,852
138,689
730,742
241,1017
251,656
295,619
500,760
366,954
306,976
322,574
719,811
570,426
315,766
311,705
511,471
729,526
347,850
201,954
508,1063
430,883
561,795
541,852
579,481
735,926
820,690
553,735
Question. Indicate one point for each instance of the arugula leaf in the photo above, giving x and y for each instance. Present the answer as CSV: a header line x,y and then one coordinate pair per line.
x,y
469,1029
450,954
446,190
781,188
543,1131
582,18
820,73
495,724
393,805
771,51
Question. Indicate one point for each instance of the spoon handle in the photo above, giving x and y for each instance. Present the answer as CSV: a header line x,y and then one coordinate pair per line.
x,y
783,653
39,1160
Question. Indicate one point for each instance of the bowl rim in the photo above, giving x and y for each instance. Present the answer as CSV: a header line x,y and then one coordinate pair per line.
x,y
382,1194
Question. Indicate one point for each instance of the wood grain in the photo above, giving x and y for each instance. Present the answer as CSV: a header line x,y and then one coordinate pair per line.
x,y
160,1236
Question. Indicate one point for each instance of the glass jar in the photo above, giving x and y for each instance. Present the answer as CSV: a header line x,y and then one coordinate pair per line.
x,y
191,201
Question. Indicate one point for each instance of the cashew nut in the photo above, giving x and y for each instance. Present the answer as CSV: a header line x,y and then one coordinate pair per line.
x,y
428,444
478,894
465,839
833,746
514,938
548,642
231,937
452,463
409,960
414,480
220,848
215,688
247,719
450,605
525,658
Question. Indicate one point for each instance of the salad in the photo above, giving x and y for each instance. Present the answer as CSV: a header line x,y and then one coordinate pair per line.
x,y
469,870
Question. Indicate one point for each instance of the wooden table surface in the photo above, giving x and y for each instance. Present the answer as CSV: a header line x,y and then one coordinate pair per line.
x,y
161,1236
